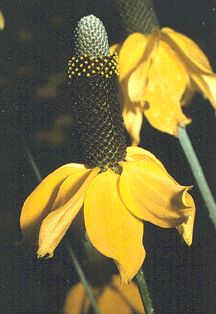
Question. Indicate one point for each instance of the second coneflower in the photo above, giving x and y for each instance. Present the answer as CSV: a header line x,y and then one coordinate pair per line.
x,y
117,187
161,69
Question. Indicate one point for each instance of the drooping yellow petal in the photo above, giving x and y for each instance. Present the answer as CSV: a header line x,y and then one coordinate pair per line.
x,y
69,187
186,228
136,86
138,153
38,204
195,61
134,50
139,77
133,118
113,298
206,84
189,93
132,150
111,228
188,47
56,224
151,194
167,82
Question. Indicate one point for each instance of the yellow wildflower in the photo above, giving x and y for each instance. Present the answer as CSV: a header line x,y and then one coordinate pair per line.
x,y
117,187
159,73
112,298
114,207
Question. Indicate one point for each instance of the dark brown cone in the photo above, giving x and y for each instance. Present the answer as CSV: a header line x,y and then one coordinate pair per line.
x,y
99,123
137,16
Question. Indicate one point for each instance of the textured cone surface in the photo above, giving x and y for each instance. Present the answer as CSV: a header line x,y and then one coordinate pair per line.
x,y
94,91
91,37
99,121
137,16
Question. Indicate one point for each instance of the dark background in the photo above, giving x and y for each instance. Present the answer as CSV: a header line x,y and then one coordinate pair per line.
x,y
35,45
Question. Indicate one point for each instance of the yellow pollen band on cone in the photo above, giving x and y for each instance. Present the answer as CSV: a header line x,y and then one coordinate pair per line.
x,y
106,66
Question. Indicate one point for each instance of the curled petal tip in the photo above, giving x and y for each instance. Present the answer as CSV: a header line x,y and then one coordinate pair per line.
x,y
45,255
125,279
186,228
186,200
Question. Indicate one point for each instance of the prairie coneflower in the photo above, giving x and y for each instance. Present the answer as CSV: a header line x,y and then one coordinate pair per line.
x,y
117,187
160,71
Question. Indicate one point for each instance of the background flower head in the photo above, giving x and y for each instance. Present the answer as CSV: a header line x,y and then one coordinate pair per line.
x,y
160,72
112,298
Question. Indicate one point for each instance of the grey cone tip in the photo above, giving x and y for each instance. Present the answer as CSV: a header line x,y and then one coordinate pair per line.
x,y
91,37
88,18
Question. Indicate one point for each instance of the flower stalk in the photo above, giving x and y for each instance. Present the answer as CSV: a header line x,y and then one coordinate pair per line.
x,y
198,173
82,277
144,292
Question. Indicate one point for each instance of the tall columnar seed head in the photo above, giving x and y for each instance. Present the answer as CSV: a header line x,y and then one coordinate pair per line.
x,y
94,93
137,16
91,37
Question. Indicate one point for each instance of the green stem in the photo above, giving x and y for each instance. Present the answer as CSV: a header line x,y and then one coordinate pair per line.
x,y
144,292
70,250
198,173
82,277
33,164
